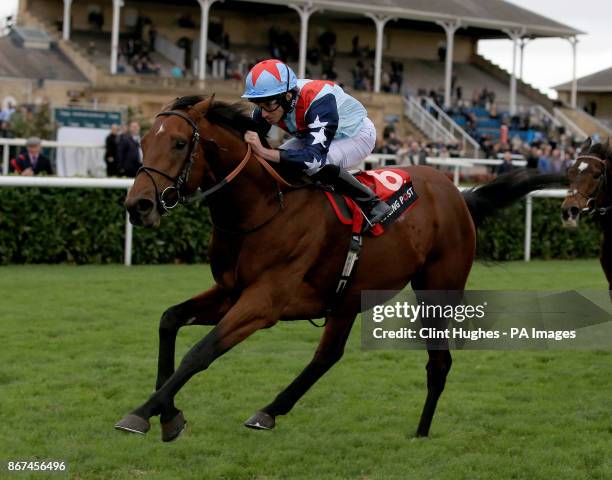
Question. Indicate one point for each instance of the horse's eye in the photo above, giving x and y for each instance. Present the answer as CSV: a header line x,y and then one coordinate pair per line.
x,y
180,145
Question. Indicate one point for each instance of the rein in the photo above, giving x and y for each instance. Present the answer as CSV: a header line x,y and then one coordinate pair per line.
x,y
601,186
181,179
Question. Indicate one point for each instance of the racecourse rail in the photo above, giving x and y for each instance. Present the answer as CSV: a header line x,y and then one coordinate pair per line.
x,y
121,183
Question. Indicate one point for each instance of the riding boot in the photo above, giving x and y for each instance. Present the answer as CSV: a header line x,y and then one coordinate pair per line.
x,y
373,207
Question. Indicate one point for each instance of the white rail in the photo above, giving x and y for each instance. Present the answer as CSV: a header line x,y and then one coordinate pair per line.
x,y
74,182
120,183
557,193
569,124
426,122
20,142
455,129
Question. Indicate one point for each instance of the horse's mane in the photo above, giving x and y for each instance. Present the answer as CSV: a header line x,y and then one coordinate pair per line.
x,y
233,116
601,150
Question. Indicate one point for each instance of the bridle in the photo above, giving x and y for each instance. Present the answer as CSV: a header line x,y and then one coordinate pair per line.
x,y
178,182
590,207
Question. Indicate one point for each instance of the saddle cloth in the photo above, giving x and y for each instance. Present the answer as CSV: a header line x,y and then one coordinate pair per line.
x,y
392,185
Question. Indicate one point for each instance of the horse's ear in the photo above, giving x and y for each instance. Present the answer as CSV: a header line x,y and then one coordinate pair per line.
x,y
586,145
203,106
168,106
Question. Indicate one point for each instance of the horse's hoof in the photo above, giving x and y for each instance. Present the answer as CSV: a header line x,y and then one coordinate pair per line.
x,y
172,430
260,421
133,424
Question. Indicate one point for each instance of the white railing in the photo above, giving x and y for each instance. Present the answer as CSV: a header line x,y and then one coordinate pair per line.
x,y
468,144
426,122
598,123
170,51
557,193
120,183
20,142
379,161
570,125
72,182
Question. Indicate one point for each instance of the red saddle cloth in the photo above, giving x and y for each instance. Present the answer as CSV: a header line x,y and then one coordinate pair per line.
x,y
392,185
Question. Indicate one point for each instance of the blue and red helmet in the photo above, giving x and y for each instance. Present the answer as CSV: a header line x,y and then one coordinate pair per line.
x,y
268,79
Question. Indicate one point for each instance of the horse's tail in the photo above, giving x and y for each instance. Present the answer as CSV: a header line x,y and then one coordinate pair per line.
x,y
486,200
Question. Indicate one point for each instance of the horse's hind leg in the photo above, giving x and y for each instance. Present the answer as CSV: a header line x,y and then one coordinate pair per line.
x,y
330,350
446,275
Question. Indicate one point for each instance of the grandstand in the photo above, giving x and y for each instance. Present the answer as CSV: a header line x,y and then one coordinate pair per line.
x,y
434,41
594,95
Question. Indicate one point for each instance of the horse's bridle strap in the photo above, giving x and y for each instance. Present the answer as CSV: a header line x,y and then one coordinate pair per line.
x,y
273,172
592,157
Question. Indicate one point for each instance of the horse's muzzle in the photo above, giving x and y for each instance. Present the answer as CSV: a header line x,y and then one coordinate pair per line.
x,y
142,212
570,216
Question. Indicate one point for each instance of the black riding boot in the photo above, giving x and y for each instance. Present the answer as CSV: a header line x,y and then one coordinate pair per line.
x,y
346,184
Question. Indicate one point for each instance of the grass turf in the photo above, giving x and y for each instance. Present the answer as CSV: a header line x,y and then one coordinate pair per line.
x,y
79,347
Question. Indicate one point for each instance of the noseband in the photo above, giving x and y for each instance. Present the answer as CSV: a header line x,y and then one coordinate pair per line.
x,y
179,182
601,186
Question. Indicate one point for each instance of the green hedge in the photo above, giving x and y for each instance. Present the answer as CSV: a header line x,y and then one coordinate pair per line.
x,y
87,226
43,225
503,237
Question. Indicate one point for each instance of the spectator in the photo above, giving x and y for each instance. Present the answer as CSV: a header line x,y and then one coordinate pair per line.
x,y
32,161
152,37
176,72
412,154
556,164
544,165
506,165
5,130
7,112
442,51
533,157
129,154
110,153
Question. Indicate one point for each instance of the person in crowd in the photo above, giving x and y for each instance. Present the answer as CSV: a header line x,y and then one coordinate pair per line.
x,y
129,154
506,165
32,161
110,152
544,164
7,112
532,157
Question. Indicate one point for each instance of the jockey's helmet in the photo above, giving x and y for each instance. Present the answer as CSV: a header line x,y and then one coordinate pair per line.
x,y
269,79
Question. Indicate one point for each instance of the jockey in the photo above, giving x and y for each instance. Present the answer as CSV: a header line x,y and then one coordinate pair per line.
x,y
331,130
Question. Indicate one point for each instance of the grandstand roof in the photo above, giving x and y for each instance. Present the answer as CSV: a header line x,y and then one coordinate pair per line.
x,y
20,62
596,82
488,14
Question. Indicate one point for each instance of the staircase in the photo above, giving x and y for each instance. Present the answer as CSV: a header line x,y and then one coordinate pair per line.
x,y
494,70
78,58
586,123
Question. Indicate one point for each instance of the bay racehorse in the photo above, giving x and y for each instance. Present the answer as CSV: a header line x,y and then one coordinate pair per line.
x,y
590,192
276,253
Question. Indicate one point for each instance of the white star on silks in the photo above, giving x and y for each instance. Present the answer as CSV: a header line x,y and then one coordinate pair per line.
x,y
313,167
319,137
317,123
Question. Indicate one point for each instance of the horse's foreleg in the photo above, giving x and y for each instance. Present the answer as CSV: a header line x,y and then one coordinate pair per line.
x,y
330,350
205,309
254,310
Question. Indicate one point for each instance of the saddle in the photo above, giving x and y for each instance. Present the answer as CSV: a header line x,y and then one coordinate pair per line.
x,y
392,185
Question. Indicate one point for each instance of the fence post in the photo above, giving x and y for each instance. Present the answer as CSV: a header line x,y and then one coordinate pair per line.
x,y
5,159
127,254
528,219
